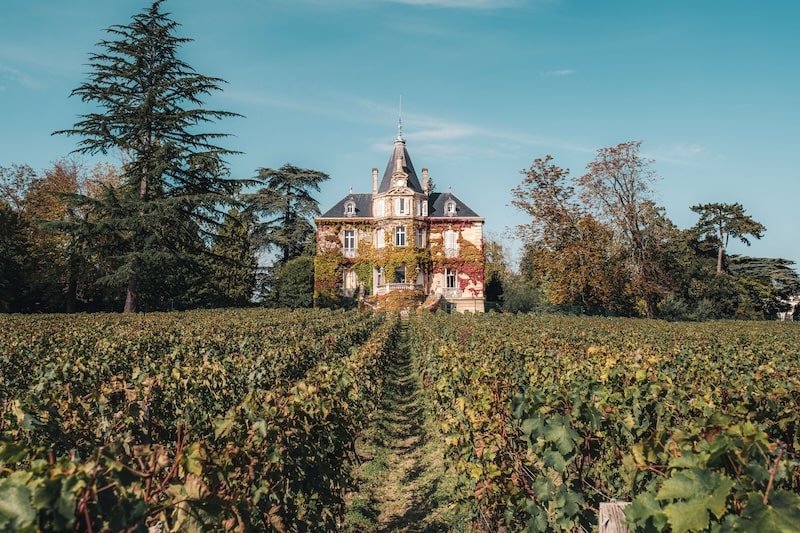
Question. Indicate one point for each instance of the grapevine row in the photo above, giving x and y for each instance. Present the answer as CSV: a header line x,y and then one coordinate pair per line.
x,y
547,417
201,421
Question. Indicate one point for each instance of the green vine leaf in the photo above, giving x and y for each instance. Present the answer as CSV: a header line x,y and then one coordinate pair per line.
x,y
701,491
780,515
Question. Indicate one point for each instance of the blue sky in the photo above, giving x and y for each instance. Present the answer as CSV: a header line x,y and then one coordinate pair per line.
x,y
712,89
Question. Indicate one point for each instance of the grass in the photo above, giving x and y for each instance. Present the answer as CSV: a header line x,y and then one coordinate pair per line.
x,y
404,484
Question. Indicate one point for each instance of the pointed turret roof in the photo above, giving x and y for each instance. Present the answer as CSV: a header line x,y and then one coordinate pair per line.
x,y
399,153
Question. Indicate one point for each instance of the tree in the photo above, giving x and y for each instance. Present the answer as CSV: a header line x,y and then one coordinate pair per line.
x,y
768,283
234,261
567,250
12,254
294,285
14,184
496,270
174,177
719,222
286,201
617,188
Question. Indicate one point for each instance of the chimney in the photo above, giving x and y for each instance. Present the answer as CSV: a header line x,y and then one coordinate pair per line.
x,y
374,180
425,180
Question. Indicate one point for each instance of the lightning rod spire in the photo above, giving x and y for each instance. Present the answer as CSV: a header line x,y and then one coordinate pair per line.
x,y
400,120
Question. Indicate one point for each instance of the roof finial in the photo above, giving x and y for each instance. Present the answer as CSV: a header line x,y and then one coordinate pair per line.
x,y
400,120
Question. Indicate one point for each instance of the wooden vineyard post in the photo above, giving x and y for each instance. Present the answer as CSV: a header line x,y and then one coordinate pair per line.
x,y
612,517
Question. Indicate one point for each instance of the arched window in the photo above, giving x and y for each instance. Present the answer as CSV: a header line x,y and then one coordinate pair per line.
x,y
450,208
349,208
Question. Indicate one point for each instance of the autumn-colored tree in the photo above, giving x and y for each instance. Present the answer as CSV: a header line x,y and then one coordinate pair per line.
x,y
719,222
617,187
60,263
14,184
567,250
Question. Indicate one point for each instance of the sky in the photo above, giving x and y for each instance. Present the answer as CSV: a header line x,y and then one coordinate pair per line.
x,y
711,89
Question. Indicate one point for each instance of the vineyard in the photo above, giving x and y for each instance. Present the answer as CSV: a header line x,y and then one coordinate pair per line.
x,y
547,417
244,420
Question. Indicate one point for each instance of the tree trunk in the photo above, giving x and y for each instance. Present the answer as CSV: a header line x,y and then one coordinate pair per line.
x,y
72,291
720,255
131,296
652,307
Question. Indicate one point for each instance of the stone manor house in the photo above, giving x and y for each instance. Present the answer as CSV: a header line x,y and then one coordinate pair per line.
x,y
400,246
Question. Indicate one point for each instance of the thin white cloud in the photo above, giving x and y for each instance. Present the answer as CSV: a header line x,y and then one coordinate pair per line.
x,y
19,77
561,72
461,4
678,154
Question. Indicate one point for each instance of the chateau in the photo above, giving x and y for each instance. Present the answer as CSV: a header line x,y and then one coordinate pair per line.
x,y
400,246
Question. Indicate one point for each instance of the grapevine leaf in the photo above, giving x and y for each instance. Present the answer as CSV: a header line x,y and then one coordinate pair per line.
x,y
780,515
554,460
644,508
194,457
687,516
559,432
15,506
700,491
12,452
705,487
223,426
543,487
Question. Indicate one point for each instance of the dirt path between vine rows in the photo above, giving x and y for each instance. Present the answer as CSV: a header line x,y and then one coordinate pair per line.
x,y
404,485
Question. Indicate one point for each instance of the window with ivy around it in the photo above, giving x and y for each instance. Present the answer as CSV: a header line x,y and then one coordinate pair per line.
x,y
400,236
450,243
349,242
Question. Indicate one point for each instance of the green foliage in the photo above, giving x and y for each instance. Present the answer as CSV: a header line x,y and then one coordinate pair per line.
x,y
719,222
555,415
173,180
522,296
285,200
242,420
12,256
234,263
294,286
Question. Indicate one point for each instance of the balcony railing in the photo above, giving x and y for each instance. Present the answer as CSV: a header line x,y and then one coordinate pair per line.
x,y
389,287
349,252
452,292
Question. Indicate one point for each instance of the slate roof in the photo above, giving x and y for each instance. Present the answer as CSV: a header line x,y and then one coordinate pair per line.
x,y
401,152
436,205
363,206
437,201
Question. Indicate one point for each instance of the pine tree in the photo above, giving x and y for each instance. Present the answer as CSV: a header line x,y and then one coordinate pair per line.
x,y
235,264
287,203
174,179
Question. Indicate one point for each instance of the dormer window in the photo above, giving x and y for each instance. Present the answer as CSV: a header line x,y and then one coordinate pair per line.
x,y
349,208
450,208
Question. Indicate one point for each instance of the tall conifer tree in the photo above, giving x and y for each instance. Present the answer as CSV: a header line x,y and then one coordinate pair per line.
x,y
174,179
